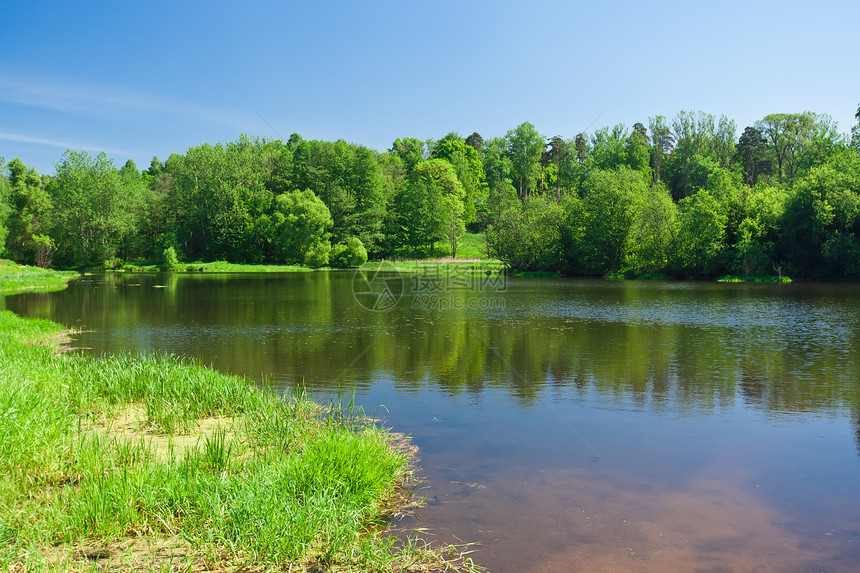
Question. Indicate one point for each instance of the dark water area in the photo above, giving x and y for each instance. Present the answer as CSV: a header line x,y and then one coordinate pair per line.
x,y
563,425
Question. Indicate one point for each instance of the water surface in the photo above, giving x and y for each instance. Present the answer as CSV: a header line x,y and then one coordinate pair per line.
x,y
571,425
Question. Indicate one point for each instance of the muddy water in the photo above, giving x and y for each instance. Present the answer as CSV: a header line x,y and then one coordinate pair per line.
x,y
564,425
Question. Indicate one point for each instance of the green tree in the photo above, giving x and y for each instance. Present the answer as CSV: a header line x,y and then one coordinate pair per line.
x,y
790,135
169,258
822,221
299,229
497,163
394,180
29,208
697,137
557,151
348,180
758,234
611,203
138,242
91,216
476,142
701,236
750,152
652,231
410,150
662,144
5,208
43,250
525,146
638,151
608,147
581,146
431,207
527,234
220,197
470,171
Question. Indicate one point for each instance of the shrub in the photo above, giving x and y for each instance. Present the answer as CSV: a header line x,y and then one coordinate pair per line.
x,y
349,254
317,255
169,259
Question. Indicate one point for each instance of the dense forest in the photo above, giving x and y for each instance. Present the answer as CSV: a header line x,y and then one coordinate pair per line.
x,y
685,197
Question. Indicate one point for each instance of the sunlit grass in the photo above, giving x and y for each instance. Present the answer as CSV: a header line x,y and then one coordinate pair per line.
x,y
753,279
14,277
213,267
435,265
276,482
471,246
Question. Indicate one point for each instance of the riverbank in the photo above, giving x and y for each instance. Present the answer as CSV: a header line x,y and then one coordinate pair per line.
x,y
152,463
404,265
15,277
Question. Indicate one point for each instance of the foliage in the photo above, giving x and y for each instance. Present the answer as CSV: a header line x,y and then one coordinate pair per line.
x,y
701,235
169,258
611,202
470,171
431,207
527,235
94,209
780,198
299,229
822,221
349,254
525,147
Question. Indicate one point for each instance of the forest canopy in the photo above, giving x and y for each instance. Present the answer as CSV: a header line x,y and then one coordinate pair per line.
x,y
687,196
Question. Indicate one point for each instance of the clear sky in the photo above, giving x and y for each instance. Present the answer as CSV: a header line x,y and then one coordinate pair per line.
x,y
154,78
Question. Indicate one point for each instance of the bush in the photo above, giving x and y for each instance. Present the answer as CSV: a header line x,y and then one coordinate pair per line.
x,y
169,259
318,254
112,264
349,254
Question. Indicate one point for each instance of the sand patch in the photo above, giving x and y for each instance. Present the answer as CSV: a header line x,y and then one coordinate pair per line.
x,y
59,342
130,423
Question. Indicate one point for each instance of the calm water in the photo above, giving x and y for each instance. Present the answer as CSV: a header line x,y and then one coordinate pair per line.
x,y
564,425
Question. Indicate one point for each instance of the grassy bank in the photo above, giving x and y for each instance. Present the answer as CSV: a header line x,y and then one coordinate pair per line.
x,y
212,267
472,248
753,279
15,277
154,464
422,265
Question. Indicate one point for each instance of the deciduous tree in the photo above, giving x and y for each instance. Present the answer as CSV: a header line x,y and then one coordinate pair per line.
x,y
525,146
299,229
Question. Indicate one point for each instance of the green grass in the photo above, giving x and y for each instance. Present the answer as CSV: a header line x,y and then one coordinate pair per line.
x,y
753,279
537,274
214,267
15,277
99,456
420,265
472,246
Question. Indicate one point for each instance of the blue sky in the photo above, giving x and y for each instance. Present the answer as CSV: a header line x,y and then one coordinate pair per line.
x,y
153,78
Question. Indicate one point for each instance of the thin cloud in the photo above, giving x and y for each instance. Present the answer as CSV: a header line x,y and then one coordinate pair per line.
x,y
96,100
23,138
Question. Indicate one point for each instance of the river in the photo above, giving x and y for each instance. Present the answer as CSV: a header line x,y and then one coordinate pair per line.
x,y
563,424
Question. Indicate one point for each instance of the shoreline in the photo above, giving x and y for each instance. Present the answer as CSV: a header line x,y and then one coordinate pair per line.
x,y
151,462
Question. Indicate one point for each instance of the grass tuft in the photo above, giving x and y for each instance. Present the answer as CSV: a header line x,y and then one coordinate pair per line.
x,y
124,462
753,279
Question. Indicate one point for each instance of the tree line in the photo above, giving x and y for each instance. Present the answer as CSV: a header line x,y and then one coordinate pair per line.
x,y
685,197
